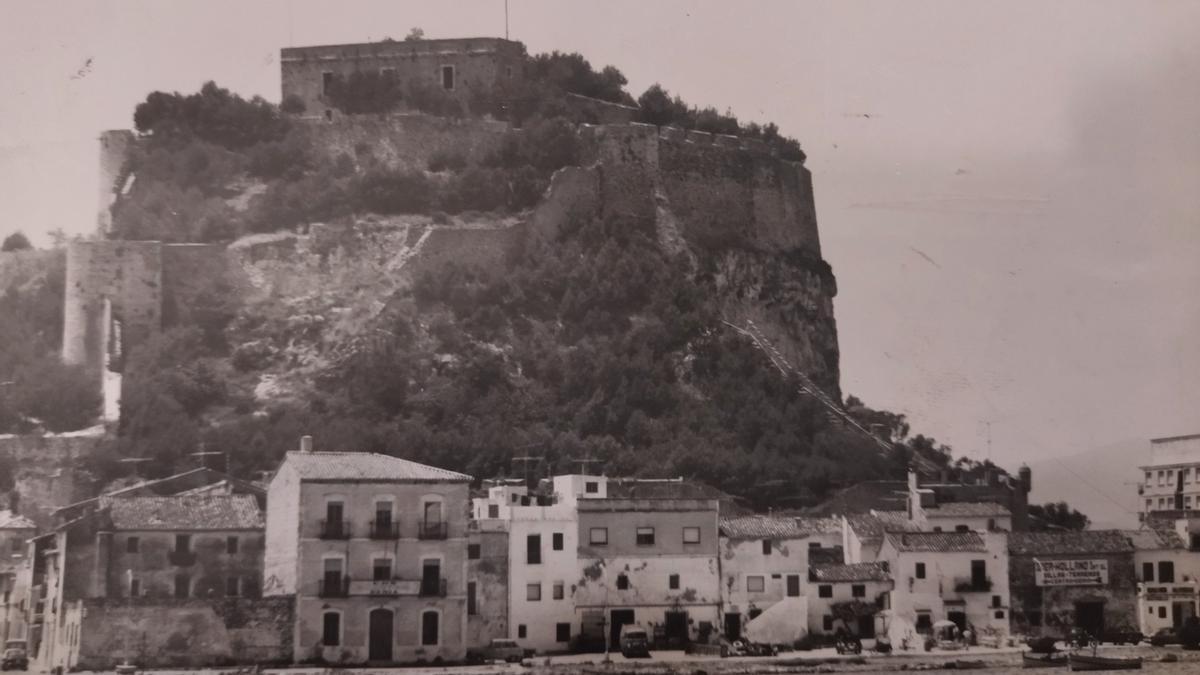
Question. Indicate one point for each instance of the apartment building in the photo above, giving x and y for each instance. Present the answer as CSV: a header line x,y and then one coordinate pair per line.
x,y
374,549
1171,480
542,557
15,533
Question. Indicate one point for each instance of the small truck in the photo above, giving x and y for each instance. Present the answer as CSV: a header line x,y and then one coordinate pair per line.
x,y
499,649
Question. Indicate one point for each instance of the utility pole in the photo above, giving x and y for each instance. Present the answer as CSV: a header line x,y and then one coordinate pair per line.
x,y
505,19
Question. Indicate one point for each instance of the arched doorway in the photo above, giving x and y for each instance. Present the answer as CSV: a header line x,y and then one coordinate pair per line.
x,y
380,635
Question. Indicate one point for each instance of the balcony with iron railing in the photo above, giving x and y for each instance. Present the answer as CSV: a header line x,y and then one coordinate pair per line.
x,y
431,530
333,587
335,529
182,558
969,585
432,588
384,529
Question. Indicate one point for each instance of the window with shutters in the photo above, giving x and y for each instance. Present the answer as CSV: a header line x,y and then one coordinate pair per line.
x,y
331,629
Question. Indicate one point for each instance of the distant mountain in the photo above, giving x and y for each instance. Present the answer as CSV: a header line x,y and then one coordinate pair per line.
x,y
1101,482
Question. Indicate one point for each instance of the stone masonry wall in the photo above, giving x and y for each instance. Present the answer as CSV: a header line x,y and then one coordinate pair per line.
x,y
406,141
168,633
47,475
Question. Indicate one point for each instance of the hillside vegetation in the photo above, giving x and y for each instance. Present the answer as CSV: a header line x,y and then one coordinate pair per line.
x,y
594,345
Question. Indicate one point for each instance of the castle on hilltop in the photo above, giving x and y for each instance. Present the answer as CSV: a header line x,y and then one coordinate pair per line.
x,y
459,68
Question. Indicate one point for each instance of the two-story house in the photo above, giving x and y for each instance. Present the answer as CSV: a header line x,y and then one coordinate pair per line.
x,y
956,576
182,546
764,565
374,548
648,555
848,597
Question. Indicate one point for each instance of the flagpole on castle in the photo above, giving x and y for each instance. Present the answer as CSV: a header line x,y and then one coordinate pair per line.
x,y
505,19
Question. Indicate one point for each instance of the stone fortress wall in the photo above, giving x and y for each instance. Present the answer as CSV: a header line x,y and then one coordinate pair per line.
x,y
691,186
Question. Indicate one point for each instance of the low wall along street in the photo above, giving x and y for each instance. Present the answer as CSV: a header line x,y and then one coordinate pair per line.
x,y
161,633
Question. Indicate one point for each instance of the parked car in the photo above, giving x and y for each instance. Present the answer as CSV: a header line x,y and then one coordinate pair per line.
x,y
634,641
499,649
1164,636
744,647
1120,637
15,657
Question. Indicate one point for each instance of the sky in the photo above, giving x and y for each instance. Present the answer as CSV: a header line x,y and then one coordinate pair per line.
x,y
1008,192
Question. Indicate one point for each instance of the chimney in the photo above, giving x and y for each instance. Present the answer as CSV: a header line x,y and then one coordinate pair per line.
x,y
306,444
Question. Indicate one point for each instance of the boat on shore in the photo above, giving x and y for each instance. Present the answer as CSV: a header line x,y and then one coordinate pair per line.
x,y
1083,662
1029,660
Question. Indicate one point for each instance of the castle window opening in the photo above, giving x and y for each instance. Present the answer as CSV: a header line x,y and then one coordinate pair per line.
x,y
448,78
131,545
622,582
326,82
691,535
232,586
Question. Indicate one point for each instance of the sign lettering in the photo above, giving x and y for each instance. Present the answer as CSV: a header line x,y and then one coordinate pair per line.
x,y
1070,572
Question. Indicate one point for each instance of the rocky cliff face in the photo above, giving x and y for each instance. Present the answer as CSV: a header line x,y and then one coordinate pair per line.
x,y
743,218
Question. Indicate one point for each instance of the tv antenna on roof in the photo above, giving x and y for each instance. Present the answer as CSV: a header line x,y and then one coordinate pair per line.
x,y
201,454
583,464
136,463
525,465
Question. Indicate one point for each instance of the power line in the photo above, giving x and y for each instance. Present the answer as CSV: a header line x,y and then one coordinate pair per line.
x,y
810,388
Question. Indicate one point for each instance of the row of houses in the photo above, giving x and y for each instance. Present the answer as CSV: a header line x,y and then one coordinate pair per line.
x,y
358,557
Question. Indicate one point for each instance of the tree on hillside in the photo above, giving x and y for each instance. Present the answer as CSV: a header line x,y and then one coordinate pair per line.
x,y
1056,516
213,114
417,33
17,241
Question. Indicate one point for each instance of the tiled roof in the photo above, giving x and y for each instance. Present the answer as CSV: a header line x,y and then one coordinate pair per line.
x,y
14,521
873,525
351,466
937,542
1153,539
1068,543
968,510
868,571
184,512
877,495
766,527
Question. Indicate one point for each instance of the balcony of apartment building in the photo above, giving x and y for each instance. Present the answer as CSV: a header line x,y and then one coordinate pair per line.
x,y
432,529
384,528
334,529
341,587
334,586
972,585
